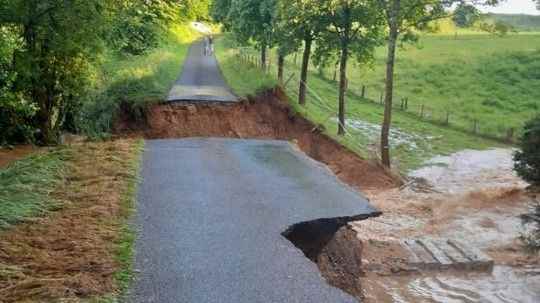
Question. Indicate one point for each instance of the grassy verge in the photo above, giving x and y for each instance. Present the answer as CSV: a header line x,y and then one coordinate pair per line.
x,y
135,80
125,245
245,80
82,251
414,141
26,186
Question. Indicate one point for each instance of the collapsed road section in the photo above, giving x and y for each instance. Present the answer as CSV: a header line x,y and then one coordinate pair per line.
x,y
216,217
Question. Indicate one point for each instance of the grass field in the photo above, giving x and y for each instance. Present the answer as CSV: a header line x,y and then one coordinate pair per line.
x,y
413,142
493,80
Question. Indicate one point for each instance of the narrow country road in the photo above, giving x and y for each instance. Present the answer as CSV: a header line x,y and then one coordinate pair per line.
x,y
211,213
201,79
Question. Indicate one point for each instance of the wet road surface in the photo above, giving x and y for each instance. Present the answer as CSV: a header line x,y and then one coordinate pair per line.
x,y
201,79
211,213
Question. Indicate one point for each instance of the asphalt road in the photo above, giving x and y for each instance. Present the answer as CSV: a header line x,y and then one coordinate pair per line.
x,y
211,213
201,79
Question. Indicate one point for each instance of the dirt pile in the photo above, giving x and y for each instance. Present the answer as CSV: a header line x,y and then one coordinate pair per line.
x,y
265,116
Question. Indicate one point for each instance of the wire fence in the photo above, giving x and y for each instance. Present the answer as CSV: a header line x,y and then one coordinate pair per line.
x,y
318,110
494,130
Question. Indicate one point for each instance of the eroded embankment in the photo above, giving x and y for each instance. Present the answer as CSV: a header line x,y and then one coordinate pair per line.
x,y
332,245
265,116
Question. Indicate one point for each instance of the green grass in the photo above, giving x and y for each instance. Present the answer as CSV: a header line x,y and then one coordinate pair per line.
x,y
135,80
245,80
426,139
125,247
26,186
476,77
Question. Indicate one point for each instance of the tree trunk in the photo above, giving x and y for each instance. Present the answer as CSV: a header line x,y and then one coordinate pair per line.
x,y
280,64
304,70
263,57
389,90
342,87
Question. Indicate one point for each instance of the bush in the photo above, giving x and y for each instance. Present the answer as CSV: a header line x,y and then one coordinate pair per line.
x,y
527,159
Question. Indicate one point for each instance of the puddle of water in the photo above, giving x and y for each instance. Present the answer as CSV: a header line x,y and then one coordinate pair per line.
x,y
470,169
397,137
503,285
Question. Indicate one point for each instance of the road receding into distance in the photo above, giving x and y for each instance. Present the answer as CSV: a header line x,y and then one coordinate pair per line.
x,y
211,215
201,79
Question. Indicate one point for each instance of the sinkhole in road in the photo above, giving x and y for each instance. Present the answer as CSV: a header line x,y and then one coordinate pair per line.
x,y
334,247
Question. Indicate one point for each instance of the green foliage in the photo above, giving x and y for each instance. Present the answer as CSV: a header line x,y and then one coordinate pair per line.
x,y
253,20
519,22
527,159
52,63
15,111
465,15
196,9
27,184
219,11
133,81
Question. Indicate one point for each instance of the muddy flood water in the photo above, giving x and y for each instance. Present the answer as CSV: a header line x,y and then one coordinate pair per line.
x,y
476,199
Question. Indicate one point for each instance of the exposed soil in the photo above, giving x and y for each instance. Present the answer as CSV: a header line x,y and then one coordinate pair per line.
x,y
334,247
69,254
8,155
263,117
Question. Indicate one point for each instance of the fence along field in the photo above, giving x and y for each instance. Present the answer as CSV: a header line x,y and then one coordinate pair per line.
x,y
493,104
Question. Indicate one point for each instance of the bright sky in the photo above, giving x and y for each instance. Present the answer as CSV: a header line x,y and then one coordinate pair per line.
x,y
513,7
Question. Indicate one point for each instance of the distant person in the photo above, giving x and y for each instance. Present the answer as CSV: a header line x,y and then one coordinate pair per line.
x,y
211,44
206,47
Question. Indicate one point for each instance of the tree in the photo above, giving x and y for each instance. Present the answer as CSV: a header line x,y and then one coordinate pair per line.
x,y
402,18
253,20
198,10
465,15
353,27
219,11
527,159
302,21
58,40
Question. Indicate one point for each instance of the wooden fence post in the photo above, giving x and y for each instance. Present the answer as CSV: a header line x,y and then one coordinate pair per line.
x,y
406,103
510,135
381,98
447,122
363,91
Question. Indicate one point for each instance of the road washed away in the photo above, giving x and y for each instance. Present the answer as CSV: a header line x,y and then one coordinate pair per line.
x,y
230,220
471,196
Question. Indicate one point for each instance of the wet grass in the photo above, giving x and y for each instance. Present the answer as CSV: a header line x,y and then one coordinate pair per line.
x,y
26,186
83,252
429,139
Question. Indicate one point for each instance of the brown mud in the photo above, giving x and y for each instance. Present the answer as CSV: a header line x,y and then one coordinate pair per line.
x,y
9,155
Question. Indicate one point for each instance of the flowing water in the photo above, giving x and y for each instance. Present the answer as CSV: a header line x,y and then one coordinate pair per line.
x,y
503,285
487,225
